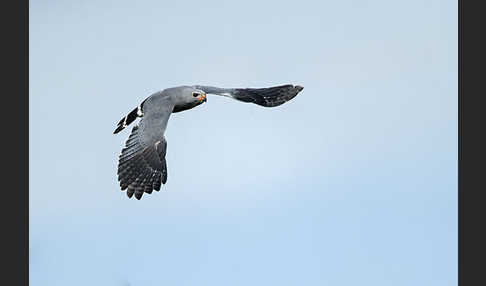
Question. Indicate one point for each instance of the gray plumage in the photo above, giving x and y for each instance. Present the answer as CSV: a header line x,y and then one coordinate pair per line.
x,y
142,167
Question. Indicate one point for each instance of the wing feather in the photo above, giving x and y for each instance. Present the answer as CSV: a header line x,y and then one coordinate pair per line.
x,y
142,166
267,97
140,169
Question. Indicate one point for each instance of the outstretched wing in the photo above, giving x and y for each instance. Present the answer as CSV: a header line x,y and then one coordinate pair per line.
x,y
268,97
142,166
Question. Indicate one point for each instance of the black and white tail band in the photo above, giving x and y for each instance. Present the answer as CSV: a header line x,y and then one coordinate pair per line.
x,y
125,121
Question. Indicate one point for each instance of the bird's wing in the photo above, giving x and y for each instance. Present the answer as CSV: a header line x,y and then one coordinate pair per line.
x,y
267,97
142,166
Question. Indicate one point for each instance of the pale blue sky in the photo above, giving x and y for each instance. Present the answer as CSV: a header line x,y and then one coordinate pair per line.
x,y
353,182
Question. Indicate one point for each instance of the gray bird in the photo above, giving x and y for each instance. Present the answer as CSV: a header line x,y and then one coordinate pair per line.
x,y
142,166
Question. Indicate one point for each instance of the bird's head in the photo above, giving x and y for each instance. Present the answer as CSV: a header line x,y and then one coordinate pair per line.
x,y
187,98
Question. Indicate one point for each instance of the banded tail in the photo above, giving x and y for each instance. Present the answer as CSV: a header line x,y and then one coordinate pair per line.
x,y
125,121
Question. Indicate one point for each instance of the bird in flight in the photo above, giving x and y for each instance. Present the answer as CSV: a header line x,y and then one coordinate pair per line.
x,y
142,167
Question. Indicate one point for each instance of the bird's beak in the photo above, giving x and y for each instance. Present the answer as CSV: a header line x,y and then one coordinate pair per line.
x,y
202,97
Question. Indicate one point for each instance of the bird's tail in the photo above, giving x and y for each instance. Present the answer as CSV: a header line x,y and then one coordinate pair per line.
x,y
125,121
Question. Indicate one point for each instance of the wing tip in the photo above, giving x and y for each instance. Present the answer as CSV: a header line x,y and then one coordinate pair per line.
x,y
299,88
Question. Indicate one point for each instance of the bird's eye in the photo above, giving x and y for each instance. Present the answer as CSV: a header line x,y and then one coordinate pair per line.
x,y
195,94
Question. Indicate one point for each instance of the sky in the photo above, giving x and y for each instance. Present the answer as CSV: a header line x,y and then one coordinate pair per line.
x,y
353,182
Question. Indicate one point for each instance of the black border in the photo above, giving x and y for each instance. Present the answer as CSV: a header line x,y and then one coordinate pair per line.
x,y
15,135
471,143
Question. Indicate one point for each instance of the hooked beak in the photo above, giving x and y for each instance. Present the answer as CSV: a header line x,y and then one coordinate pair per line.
x,y
202,97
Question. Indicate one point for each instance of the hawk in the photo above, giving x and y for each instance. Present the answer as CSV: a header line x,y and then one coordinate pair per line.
x,y
142,167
